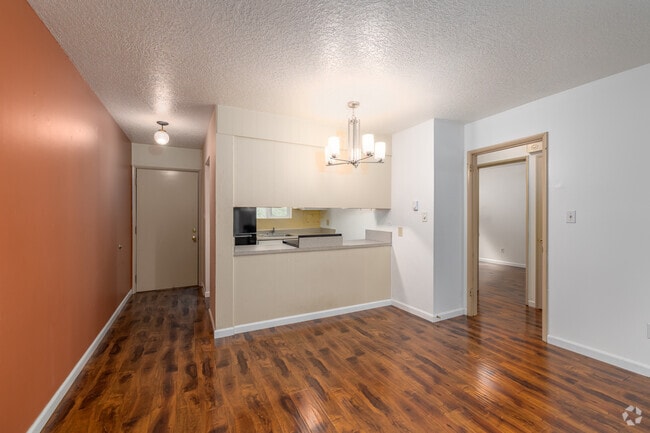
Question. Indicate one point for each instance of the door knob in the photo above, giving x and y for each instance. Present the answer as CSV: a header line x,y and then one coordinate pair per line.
x,y
193,238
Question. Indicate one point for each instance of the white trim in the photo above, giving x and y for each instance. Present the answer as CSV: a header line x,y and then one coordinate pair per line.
x,y
531,303
428,316
450,314
502,262
609,358
56,399
415,311
223,332
255,326
204,289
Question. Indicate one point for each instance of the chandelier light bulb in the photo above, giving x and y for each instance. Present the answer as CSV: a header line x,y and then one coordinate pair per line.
x,y
380,151
368,144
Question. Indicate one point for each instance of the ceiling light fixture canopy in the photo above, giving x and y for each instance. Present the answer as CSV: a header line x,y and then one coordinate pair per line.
x,y
361,148
161,136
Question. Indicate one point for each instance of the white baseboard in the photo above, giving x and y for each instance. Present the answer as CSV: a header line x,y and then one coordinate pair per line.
x,y
227,332
450,314
428,316
415,311
51,406
502,262
609,358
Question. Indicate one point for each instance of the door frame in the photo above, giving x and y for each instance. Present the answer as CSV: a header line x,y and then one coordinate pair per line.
x,y
535,143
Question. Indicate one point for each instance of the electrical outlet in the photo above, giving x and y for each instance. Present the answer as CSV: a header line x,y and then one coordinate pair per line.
x,y
503,250
400,231
425,217
327,222
571,216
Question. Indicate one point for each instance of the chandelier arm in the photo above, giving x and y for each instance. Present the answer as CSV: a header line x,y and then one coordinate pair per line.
x,y
371,162
364,158
341,161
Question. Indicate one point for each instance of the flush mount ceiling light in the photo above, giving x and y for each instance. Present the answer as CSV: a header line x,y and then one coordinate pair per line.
x,y
161,136
360,150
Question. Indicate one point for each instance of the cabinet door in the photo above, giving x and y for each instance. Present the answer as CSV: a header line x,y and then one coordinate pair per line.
x,y
276,174
254,175
284,173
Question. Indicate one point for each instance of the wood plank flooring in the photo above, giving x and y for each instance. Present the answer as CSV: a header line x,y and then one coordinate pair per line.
x,y
380,370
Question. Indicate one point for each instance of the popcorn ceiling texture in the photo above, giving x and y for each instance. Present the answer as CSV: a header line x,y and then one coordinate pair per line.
x,y
406,61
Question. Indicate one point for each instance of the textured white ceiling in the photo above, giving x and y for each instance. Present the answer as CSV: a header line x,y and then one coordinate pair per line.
x,y
406,61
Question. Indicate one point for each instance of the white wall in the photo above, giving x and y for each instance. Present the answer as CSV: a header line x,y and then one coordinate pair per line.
x,y
448,300
599,295
166,157
502,214
224,242
352,223
412,179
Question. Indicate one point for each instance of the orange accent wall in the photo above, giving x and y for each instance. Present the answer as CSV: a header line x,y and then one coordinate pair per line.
x,y
65,205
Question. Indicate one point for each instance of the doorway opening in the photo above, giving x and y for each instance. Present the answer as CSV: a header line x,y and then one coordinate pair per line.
x,y
531,151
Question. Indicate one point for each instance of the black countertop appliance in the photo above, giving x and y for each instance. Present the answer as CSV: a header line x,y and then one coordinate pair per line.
x,y
245,225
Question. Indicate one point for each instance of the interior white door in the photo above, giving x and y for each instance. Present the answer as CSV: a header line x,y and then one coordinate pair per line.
x,y
167,208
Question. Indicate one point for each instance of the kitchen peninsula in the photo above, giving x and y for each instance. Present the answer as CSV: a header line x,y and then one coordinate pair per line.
x,y
278,283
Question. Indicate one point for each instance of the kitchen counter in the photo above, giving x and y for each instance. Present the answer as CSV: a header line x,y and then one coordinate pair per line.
x,y
374,238
281,235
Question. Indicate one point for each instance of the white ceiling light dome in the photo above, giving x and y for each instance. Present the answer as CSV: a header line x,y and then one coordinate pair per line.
x,y
161,136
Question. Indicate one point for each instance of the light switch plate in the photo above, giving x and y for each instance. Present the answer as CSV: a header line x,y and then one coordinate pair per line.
x,y
400,231
571,216
416,206
425,217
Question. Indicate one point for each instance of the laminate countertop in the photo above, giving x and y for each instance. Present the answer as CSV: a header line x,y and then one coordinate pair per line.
x,y
374,238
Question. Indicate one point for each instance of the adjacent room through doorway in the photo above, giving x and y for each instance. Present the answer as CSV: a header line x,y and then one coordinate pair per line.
x,y
502,228
506,226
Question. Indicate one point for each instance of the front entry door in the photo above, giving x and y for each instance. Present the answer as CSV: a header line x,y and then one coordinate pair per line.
x,y
166,229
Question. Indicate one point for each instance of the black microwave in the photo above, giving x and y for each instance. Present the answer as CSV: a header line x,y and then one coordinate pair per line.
x,y
245,225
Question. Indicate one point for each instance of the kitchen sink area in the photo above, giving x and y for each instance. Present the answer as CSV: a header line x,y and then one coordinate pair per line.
x,y
269,235
293,230
316,240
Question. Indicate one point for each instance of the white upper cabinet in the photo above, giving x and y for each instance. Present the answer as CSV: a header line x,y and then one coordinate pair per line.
x,y
272,173
276,163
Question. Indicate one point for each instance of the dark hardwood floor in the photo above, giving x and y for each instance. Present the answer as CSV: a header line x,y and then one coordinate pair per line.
x,y
380,370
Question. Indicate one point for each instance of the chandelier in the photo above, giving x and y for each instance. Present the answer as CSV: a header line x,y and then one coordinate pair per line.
x,y
360,148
